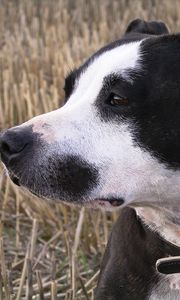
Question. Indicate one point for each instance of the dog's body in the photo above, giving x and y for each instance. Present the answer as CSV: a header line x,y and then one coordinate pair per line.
x,y
116,140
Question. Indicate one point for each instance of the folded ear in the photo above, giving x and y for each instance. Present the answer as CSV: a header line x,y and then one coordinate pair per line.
x,y
140,26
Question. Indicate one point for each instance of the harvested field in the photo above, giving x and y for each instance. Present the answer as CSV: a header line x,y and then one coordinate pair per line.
x,y
49,250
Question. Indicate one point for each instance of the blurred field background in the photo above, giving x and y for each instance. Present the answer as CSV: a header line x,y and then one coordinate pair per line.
x,y
51,251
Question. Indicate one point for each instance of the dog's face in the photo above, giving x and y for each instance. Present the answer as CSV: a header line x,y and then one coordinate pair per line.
x,y
116,138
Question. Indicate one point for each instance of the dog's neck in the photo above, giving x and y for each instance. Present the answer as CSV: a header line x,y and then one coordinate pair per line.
x,y
164,219
128,267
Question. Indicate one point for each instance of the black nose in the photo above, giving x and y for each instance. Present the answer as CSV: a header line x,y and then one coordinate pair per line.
x,y
14,141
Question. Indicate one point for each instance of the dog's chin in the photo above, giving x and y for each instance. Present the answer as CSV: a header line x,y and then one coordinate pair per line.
x,y
102,203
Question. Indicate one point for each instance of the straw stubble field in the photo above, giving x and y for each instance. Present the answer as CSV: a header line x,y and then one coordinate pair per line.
x,y
51,251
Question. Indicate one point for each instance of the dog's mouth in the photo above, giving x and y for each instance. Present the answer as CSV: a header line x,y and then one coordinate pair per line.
x,y
106,203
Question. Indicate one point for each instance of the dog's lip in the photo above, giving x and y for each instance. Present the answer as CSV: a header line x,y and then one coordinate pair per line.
x,y
115,202
103,202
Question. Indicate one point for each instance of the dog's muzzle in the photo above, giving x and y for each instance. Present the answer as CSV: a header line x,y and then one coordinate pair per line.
x,y
44,171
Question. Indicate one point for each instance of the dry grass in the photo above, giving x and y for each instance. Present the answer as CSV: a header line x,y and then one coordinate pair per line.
x,y
53,251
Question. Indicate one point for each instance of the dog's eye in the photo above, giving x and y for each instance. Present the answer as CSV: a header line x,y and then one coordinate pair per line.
x,y
116,100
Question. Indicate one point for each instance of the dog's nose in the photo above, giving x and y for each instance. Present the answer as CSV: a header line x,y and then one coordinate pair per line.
x,y
14,141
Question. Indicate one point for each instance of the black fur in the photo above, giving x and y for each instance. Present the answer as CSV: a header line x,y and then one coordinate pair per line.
x,y
158,101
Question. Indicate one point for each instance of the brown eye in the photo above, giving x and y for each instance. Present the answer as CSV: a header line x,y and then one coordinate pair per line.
x,y
116,100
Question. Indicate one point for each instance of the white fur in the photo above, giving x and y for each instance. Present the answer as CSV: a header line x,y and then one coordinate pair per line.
x,y
167,289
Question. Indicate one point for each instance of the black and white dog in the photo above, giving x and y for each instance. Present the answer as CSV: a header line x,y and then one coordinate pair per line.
x,y
116,142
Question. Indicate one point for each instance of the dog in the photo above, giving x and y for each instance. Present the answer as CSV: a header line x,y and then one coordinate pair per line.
x,y
115,144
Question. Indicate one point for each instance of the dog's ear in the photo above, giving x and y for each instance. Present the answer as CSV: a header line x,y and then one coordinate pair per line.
x,y
140,26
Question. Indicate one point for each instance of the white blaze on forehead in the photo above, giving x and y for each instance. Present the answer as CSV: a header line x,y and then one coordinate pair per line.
x,y
117,60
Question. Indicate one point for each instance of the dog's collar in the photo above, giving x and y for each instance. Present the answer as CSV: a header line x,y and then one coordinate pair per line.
x,y
168,265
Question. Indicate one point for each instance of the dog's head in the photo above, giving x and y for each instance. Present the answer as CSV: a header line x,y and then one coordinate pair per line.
x,y
116,139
